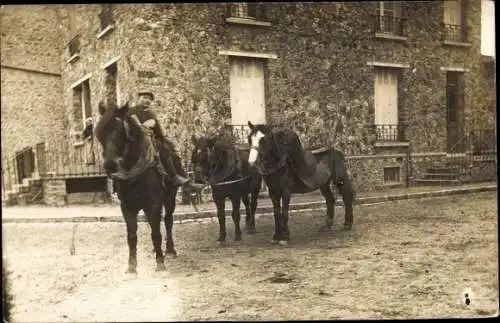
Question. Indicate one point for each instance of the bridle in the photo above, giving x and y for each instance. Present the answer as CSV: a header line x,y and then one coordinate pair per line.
x,y
144,162
272,170
206,174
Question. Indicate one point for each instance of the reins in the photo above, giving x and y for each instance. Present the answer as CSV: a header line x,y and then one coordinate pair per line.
x,y
143,163
213,183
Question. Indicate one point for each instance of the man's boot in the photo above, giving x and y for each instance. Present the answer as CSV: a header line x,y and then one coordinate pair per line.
x,y
189,185
177,179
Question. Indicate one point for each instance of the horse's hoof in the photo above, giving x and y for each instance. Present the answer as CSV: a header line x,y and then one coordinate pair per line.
x,y
131,271
283,243
274,241
251,230
237,238
222,243
348,227
171,252
160,267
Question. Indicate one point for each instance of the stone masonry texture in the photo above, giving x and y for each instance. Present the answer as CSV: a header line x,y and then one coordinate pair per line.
x,y
173,50
321,73
31,106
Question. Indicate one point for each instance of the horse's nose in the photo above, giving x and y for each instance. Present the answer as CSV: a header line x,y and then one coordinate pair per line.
x,y
110,166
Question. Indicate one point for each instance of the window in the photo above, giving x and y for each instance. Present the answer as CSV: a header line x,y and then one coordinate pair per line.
x,y
389,18
106,16
453,19
74,46
111,83
254,11
81,102
106,20
386,105
392,175
247,93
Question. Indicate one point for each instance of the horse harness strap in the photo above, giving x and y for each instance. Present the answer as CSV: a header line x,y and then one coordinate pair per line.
x,y
144,163
274,169
229,182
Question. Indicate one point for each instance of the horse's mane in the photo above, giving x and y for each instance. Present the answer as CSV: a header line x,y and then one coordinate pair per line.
x,y
143,155
227,160
105,122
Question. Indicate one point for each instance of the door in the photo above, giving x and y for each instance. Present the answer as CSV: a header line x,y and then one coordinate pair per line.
x,y
247,91
454,109
386,104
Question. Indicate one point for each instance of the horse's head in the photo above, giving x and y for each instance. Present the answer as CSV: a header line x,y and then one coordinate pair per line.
x,y
202,157
260,141
117,131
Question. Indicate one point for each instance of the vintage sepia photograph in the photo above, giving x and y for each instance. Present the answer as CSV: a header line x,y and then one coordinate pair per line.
x,y
249,161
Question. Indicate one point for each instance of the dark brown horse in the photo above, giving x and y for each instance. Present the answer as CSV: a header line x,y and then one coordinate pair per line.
x,y
130,160
221,164
288,169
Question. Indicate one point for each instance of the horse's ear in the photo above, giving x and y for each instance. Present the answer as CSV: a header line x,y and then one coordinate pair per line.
x,y
251,125
193,140
102,108
124,108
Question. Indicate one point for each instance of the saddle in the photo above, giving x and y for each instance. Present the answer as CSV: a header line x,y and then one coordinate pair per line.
x,y
305,164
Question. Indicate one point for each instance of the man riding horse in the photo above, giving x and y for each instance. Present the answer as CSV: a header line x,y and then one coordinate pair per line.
x,y
169,157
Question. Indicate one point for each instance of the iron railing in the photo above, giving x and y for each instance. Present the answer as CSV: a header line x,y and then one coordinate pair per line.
x,y
478,145
255,11
454,33
84,159
390,132
74,45
390,25
241,133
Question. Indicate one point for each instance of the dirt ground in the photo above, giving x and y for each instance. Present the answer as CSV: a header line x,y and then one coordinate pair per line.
x,y
406,259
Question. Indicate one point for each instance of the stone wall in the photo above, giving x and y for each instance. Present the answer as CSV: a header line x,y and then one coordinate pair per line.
x,y
54,192
321,74
31,105
367,172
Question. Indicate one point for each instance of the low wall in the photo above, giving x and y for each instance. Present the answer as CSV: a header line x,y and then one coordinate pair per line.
x,y
367,172
55,194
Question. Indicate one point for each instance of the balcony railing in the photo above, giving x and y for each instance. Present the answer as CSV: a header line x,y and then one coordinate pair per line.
x,y
455,33
74,45
390,25
241,133
252,11
390,132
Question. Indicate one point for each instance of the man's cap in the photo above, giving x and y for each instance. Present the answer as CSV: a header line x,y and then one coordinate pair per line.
x,y
146,92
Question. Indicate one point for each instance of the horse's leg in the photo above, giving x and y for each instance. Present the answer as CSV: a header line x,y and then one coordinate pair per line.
x,y
246,203
285,232
276,200
345,188
154,218
236,200
221,215
130,217
253,208
330,206
169,220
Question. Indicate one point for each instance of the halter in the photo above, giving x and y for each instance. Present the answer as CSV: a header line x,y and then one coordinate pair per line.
x,y
213,183
270,171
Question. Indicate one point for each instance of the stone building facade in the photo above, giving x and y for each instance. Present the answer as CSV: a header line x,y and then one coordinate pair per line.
x,y
317,61
31,90
396,77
